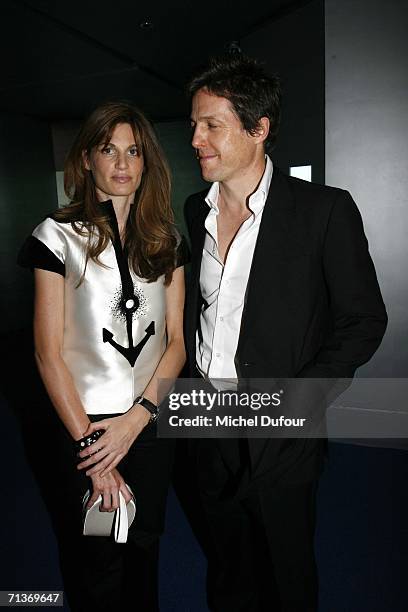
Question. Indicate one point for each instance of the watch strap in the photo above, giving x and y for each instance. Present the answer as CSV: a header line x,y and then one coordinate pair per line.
x,y
150,406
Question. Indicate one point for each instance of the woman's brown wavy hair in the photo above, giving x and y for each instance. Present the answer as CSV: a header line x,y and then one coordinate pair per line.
x,y
150,235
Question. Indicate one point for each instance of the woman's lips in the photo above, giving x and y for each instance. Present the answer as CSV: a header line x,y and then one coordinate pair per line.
x,y
121,179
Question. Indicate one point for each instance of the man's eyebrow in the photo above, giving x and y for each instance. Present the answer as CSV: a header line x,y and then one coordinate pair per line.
x,y
207,118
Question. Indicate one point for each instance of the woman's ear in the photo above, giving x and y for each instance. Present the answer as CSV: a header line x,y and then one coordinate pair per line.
x,y
85,159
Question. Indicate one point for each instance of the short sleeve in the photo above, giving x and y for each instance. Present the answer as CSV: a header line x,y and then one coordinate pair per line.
x,y
45,248
182,252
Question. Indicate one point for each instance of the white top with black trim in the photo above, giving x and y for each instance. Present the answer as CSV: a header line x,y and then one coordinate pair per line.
x,y
114,322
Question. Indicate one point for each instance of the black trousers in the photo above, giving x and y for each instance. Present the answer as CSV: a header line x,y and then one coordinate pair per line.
x,y
99,574
261,557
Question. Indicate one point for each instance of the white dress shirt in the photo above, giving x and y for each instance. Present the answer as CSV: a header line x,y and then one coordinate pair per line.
x,y
223,285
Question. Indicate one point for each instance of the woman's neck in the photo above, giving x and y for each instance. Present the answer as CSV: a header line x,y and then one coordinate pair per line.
x,y
122,214
121,206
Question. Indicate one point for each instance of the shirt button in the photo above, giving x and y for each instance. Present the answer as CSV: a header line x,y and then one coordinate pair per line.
x,y
218,354
221,318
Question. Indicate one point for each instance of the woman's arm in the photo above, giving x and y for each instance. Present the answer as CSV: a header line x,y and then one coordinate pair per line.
x,y
122,431
48,337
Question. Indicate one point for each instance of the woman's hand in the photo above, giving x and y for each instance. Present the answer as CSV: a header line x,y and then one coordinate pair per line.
x,y
120,433
108,486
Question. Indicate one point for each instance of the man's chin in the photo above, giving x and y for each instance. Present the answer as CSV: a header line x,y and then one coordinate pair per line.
x,y
209,176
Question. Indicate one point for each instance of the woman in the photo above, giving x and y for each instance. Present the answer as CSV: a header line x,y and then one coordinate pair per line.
x,y
109,293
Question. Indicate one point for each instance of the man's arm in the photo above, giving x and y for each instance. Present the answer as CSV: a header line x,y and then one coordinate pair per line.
x,y
358,311
358,314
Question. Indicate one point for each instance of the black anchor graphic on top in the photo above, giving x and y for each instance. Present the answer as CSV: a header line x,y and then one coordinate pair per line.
x,y
131,353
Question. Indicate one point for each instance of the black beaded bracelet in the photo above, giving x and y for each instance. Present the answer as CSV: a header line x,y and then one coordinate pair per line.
x,y
88,440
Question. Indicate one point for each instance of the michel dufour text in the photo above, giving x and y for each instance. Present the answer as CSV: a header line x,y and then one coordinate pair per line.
x,y
227,400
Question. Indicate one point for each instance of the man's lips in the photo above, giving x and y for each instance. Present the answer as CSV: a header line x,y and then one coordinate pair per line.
x,y
203,158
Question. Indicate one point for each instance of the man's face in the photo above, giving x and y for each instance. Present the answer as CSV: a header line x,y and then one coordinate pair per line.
x,y
224,149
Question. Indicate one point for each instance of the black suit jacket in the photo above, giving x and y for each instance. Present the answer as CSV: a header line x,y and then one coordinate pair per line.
x,y
313,307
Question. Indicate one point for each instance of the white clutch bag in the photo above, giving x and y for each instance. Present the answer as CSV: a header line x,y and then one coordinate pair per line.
x,y
97,523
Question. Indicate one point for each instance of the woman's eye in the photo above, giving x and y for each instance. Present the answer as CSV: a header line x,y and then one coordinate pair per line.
x,y
133,152
108,150
212,126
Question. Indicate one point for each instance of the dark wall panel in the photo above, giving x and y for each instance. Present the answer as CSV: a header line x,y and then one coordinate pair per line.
x,y
27,193
175,139
293,47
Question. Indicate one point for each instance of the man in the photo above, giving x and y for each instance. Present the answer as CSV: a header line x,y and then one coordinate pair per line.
x,y
282,285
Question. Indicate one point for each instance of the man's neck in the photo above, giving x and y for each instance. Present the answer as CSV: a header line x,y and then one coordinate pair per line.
x,y
234,194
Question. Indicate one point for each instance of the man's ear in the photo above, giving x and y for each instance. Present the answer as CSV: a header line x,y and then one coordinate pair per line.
x,y
262,129
85,159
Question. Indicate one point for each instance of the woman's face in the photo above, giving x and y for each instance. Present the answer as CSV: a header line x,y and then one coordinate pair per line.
x,y
117,166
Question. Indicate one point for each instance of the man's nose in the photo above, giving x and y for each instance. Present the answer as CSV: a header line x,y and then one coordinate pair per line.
x,y
198,139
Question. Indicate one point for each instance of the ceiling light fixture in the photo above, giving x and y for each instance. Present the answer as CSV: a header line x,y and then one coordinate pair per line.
x,y
146,24
233,47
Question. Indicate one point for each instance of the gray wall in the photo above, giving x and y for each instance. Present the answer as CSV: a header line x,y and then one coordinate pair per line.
x,y
27,193
367,146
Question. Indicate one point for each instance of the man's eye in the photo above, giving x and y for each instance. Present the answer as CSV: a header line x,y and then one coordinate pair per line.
x,y
212,126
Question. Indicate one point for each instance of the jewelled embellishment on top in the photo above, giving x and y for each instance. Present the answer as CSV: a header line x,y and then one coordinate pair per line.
x,y
136,305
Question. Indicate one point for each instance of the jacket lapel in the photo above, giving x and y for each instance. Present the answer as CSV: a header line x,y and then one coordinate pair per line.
x,y
277,238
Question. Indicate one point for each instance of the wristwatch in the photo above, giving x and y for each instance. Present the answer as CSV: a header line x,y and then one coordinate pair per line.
x,y
152,408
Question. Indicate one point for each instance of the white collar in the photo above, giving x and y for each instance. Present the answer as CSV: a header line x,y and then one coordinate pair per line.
x,y
257,199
